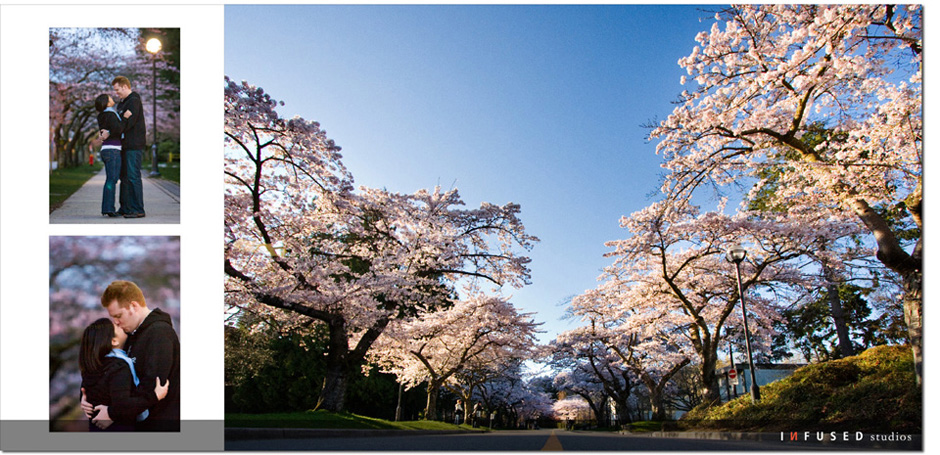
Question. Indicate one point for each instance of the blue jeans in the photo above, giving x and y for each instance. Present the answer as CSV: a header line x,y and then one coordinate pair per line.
x,y
112,169
132,191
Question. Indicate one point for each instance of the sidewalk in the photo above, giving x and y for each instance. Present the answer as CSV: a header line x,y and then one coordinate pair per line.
x,y
161,203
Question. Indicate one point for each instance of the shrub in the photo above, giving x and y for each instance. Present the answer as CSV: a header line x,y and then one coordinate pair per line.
x,y
874,391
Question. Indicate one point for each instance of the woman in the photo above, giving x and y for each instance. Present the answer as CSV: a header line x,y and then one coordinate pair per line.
x,y
109,378
110,127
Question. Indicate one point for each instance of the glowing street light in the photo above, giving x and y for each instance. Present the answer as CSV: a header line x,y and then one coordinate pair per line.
x,y
153,46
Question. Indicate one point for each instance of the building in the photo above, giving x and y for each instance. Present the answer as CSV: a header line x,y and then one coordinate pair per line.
x,y
765,374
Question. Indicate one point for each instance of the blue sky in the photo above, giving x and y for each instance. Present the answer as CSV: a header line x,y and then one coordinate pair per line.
x,y
543,106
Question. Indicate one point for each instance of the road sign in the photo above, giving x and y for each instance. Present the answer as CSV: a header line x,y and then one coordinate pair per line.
x,y
732,377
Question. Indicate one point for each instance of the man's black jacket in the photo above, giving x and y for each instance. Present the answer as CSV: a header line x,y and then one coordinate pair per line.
x,y
156,350
135,127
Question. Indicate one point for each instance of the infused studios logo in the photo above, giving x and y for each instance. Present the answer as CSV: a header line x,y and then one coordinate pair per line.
x,y
843,436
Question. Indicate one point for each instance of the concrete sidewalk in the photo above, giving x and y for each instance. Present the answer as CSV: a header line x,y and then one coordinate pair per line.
x,y
161,203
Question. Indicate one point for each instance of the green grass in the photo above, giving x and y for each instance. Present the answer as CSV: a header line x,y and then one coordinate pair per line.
x,y
331,420
646,426
170,171
875,391
64,182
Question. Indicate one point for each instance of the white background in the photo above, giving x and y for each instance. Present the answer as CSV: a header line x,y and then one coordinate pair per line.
x,y
24,227
24,183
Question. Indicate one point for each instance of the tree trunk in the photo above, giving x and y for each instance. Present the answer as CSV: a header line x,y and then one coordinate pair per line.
x,y
657,388
656,406
623,411
909,266
838,315
333,394
594,409
913,316
602,412
711,391
430,410
467,402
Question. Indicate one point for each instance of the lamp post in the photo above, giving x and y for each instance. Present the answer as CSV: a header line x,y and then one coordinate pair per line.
x,y
737,254
153,46
398,408
731,359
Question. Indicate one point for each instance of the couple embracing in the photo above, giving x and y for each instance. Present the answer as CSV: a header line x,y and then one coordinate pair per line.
x,y
130,365
122,136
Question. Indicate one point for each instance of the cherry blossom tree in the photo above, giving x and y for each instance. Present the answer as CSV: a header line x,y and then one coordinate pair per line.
x,y
572,408
582,383
434,347
649,355
589,356
528,404
670,277
304,248
82,64
828,96
514,397
81,67
487,367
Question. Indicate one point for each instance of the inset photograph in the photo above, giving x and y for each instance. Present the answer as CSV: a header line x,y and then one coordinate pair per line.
x,y
114,125
114,348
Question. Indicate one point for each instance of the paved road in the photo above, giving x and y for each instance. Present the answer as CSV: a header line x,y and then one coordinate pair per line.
x,y
161,203
538,440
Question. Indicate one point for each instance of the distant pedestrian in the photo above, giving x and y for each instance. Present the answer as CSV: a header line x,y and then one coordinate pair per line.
x,y
477,414
458,412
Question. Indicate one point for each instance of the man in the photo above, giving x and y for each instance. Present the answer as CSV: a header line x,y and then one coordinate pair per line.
x,y
132,148
153,344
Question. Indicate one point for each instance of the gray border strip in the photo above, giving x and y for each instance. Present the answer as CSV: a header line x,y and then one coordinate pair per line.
x,y
34,436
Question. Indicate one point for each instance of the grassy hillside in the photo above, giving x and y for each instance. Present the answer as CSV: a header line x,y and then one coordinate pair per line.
x,y
875,391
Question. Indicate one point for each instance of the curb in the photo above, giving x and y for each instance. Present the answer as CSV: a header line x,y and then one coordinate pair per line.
x,y
171,189
239,434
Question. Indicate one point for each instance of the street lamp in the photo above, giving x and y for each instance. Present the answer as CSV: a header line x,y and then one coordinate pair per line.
x,y
398,408
737,254
153,46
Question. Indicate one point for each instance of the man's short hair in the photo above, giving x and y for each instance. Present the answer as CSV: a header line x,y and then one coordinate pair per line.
x,y
122,80
124,292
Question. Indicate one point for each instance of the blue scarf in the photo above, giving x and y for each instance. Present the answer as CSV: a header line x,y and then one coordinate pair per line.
x,y
120,354
113,109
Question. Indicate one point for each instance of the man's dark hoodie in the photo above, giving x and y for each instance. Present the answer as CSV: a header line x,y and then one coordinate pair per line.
x,y
135,127
156,348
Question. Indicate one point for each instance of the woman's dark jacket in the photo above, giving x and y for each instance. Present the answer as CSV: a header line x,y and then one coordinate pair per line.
x,y
111,121
113,386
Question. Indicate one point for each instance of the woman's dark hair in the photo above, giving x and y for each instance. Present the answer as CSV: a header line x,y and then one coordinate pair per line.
x,y
101,102
96,343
